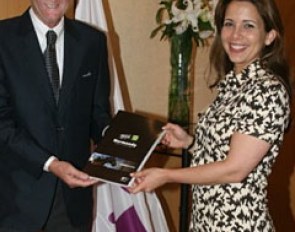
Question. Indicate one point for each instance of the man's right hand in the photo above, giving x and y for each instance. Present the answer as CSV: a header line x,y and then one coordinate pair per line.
x,y
70,175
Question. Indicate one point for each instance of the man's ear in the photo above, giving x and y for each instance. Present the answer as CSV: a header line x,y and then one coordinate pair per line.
x,y
270,37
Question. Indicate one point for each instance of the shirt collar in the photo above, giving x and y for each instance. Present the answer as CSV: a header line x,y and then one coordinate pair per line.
x,y
42,28
234,81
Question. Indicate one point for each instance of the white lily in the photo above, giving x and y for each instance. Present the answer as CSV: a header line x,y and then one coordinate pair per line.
x,y
205,34
186,17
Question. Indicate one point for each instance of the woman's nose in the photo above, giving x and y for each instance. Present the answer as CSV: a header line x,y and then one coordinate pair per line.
x,y
237,32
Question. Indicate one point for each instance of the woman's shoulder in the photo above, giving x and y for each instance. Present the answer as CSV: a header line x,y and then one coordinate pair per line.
x,y
268,83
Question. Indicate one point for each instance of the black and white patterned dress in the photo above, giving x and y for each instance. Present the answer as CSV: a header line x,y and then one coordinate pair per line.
x,y
255,103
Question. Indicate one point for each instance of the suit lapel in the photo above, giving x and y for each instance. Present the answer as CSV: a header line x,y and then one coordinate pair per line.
x,y
32,56
72,61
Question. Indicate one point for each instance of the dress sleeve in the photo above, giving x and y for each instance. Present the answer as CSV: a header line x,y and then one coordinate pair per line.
x,y
265,111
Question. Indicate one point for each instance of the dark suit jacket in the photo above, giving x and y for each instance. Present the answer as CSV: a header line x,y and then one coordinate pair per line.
x,y
32,126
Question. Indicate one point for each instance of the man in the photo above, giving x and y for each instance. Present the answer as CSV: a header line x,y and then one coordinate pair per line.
x,y
45,130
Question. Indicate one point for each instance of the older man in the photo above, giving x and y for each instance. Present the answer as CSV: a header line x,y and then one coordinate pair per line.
x,y
54,98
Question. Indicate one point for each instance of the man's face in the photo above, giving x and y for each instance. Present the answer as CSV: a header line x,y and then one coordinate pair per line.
x,y
50,11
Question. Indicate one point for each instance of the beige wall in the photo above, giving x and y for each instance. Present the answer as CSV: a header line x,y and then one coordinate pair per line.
x,y
143,66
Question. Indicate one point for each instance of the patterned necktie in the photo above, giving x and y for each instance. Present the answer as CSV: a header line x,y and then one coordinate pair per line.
x,y
51,63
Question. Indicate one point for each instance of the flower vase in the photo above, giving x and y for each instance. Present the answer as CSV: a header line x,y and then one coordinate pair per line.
x,y
179,91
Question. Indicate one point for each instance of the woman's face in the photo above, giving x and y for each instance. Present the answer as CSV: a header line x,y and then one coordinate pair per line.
x,y
243,35
50,11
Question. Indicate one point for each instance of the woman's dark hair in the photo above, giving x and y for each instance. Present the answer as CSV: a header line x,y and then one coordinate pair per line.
x,y
273,56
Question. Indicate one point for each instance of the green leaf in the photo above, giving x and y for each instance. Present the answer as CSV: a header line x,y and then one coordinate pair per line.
x,y
155,31
205,26
199,42
159,15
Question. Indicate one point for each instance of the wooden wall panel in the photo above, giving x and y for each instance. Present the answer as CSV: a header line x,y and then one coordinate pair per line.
x,y
287,11
10,8
282,180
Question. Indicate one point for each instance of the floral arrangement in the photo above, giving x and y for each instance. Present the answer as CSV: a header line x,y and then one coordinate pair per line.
x,y
182,22
194,17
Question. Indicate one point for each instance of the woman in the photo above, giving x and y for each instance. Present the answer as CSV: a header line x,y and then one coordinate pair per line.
x,y
237,139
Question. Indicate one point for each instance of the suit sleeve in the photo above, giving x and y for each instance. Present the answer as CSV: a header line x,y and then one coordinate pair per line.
x,y
101,107
16,144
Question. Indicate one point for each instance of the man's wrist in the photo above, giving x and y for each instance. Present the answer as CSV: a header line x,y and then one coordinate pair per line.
x,y
48,162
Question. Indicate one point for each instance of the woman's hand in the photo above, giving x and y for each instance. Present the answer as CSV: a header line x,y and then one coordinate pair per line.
x,y
176,136
149,179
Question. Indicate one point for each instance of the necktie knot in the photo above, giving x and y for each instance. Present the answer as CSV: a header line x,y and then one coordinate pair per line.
x,y
51,38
